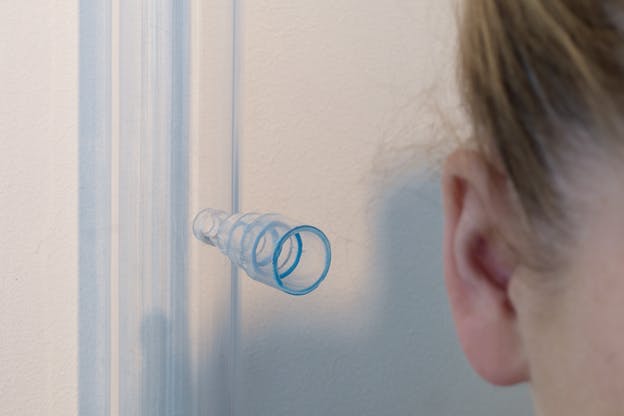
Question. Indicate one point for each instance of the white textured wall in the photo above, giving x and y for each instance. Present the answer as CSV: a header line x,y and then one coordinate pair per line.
x,y
38,196
325,84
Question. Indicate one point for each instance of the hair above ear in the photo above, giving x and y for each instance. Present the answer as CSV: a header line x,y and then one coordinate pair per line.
x,y
478,268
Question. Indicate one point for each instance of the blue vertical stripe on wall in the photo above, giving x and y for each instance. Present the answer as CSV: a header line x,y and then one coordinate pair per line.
x,y
154,346
179,191
94,207
234,272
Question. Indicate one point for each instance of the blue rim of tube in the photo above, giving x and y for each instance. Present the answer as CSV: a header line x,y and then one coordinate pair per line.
x,y
275,237
272,227
267,260
297,258
278,251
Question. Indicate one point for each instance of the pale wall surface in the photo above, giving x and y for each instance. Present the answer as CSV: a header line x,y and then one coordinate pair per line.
x,y
38,196
325,84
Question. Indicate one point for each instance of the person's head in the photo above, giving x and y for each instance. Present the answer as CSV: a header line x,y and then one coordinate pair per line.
x,y
534,209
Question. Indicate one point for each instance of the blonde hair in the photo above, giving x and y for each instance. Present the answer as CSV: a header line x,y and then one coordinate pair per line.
x,y
543,83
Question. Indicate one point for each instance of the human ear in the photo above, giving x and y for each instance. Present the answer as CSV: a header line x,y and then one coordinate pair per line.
x,y
478,267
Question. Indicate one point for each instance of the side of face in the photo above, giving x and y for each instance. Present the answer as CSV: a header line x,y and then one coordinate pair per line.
x,y
514,324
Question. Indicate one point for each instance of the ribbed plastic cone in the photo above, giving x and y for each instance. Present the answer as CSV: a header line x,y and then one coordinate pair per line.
x,y
272,249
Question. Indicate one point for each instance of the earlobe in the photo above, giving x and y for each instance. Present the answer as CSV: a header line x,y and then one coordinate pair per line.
x,y
478,269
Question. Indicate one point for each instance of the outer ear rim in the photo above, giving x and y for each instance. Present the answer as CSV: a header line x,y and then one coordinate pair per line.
x,y
484,317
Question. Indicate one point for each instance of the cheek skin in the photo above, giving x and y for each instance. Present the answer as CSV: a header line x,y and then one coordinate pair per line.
x,y
601,323
575,337
576,355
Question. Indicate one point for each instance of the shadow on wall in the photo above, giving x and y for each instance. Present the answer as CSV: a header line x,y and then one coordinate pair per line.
x,y
410,362
165,379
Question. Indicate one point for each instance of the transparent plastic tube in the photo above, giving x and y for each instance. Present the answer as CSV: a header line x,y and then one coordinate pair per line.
x,y
272,249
